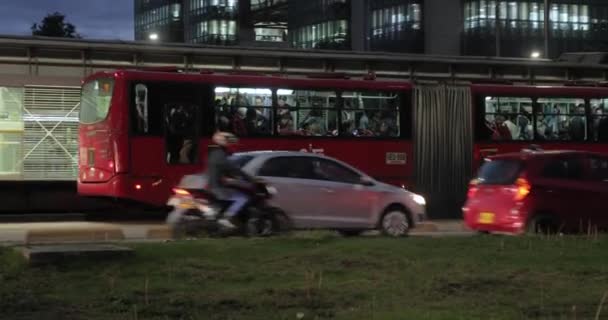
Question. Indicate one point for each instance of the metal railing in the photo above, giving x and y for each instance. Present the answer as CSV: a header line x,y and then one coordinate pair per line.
x,y
88,56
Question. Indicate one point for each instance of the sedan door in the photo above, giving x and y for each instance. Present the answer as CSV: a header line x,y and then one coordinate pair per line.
x,y
298,194
348,203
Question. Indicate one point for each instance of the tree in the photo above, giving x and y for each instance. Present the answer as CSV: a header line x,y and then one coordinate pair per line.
x,y
54,25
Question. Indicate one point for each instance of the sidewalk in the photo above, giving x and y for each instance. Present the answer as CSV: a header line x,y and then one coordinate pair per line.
x,y
95,232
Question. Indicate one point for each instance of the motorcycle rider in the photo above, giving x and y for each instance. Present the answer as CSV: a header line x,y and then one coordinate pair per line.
x,y
227,181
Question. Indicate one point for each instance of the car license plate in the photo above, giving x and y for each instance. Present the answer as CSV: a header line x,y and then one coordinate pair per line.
x,y
486,218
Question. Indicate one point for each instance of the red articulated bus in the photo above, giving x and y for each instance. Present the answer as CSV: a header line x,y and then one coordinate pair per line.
x,y
141,131
509,118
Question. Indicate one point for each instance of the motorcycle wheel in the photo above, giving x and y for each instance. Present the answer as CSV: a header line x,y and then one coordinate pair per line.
x,y
186,227
266,223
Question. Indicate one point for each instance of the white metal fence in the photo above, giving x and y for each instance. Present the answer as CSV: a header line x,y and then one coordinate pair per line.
x,y
39,133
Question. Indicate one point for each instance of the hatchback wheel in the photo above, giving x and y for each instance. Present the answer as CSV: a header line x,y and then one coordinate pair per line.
x,y
395,223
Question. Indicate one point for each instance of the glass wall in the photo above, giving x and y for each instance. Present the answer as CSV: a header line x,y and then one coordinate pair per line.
x,y
528,15
263,4
163,19
574,25
213,21
395,19
215,32
329,34
213,6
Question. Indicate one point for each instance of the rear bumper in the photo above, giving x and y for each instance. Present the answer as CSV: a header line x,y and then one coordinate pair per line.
x,y
513,222
150,191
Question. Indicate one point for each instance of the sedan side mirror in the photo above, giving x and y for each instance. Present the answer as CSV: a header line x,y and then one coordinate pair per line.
x,y
366,181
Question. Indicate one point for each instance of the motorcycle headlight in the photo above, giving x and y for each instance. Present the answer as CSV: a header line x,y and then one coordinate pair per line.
x,y
419,199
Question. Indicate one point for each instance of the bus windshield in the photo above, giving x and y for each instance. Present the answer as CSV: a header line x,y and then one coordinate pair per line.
x,y
95,100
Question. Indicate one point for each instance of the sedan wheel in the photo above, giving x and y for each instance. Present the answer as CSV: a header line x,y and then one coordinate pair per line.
x,y
395,224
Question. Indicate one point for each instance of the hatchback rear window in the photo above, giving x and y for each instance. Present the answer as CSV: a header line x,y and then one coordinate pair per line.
x,y
499,172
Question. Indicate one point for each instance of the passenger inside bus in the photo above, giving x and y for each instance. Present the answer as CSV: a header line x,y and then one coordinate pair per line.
x,y
180,123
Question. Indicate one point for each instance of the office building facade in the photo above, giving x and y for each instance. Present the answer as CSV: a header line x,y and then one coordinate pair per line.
x,y
527,28
469,27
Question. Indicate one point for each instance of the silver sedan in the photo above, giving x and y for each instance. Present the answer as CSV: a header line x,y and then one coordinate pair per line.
x,y
319,192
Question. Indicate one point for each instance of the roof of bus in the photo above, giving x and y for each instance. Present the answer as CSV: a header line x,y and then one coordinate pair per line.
x,y
529,90
257,80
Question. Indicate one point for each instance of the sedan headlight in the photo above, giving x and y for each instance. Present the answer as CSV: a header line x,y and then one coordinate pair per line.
x,y
419,199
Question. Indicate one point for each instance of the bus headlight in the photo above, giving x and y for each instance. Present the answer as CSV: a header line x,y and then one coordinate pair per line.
x,y
419,199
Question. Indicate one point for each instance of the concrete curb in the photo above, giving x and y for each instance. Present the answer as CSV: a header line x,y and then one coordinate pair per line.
x,y
96,234
85,232
159,233
426,227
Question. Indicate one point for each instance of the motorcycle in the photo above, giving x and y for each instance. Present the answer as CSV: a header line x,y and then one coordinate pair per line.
x,y
196,210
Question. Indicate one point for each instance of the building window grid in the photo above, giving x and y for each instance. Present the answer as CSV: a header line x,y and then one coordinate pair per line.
x,y
327,32
396,19
262,4
565,19
158,17
220,7
214,31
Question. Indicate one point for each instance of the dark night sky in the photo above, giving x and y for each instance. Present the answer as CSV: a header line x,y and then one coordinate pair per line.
x,y
107,19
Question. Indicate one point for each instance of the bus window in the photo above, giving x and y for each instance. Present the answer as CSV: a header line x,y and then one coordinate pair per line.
x,y
141,108
506,119
561,119
599,119
244,111
95,100
307,112
181,135
370,114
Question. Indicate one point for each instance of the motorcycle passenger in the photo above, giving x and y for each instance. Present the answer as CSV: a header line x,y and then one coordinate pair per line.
x,y
227,181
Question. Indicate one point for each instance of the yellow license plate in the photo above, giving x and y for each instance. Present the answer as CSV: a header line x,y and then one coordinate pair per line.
x,y
486,218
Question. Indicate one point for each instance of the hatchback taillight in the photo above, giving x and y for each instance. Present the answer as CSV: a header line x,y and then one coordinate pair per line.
x,y
522,189
472,188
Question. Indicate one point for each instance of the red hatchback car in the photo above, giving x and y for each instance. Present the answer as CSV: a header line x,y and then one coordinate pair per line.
x,y
532,191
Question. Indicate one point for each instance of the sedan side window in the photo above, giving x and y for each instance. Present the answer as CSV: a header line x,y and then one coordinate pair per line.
x,y
288,167
333,171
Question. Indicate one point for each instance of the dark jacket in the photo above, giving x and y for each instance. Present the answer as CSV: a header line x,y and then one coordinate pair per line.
x,y
220,167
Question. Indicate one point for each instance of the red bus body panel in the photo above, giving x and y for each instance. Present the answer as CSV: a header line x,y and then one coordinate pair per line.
x,y
135,168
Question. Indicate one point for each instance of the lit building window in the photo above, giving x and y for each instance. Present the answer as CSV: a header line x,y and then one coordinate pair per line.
x,y
329,33
395,19
526,16
219,6
215,31
270,34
